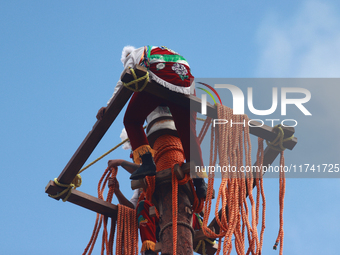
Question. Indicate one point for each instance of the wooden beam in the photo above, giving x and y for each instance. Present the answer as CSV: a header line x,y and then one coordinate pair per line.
x,y
199,235
84,200
160,176
210,249
94,136
166,175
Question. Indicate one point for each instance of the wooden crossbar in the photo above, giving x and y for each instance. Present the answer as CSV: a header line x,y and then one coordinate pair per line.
x,y
84,200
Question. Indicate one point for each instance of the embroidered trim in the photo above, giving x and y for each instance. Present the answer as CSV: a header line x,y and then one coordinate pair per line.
x,y
172,87
168,58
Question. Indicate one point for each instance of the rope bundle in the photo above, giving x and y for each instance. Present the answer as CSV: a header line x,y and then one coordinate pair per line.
x,y
127,232
231,143
126,224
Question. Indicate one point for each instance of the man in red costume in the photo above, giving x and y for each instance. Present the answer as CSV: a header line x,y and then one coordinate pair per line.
x,y
171,70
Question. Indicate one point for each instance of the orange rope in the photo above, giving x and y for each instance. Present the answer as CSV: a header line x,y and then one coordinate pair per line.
x,y
204,129
100,218
169,151
279,238
259,160
232,144
127,230
174,210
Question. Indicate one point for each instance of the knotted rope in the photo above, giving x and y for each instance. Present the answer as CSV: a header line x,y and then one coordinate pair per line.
x,y
69,187
277,143
136,80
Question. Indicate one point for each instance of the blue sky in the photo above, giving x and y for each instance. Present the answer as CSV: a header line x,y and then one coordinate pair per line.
x,y
60,61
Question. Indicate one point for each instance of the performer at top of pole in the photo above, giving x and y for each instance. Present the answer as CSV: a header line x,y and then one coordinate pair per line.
x,y
171,70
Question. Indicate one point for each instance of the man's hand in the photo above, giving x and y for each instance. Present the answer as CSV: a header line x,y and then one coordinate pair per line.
x,y
115,163
114,182
121,198
100,113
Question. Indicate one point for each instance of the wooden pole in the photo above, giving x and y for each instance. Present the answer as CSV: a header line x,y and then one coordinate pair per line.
x,y
184,232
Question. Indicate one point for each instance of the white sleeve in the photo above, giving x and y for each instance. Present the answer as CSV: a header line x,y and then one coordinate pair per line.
x,y
119,84
135,197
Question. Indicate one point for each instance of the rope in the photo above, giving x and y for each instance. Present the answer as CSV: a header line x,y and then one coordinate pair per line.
x,y
127,234
174,183
136,80
100,218
277,143
105,154
279,239
126,224
169,151
69,187
232,145
259,185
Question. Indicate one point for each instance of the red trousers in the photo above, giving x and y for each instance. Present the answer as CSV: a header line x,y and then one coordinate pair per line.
x,y
142,104
146,224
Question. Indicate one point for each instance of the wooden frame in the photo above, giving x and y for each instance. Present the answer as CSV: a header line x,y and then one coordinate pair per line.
x,y
113,109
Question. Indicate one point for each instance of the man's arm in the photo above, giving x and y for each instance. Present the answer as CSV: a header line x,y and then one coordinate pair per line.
x,y
128,166
121,198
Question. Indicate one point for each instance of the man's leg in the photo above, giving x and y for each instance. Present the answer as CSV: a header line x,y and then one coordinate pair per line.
x,y
140,106
147,227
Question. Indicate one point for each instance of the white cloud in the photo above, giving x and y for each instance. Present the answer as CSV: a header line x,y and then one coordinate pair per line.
x,y
306,44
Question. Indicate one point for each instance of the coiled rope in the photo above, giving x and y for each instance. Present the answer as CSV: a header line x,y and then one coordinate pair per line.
x,y
126,224
169,152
